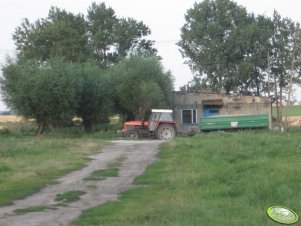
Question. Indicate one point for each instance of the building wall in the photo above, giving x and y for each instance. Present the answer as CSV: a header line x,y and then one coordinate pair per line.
x,y
226,105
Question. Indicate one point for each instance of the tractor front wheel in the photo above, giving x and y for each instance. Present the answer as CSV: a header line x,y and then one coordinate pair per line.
x,y
166,132
133,135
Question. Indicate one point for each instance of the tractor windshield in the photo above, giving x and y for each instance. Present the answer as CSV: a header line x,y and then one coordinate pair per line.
x,y
161,116
165,117
155,116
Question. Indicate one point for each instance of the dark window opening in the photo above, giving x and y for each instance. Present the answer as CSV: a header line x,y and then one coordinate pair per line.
x,y
189,116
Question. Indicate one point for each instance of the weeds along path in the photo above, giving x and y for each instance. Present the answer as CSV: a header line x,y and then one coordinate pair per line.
x,y
131,157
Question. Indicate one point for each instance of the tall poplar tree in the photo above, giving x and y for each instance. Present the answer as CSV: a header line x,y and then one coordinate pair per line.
x,y
212,42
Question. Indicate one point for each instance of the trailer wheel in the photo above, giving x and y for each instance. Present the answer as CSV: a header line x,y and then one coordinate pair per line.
x,y
166,132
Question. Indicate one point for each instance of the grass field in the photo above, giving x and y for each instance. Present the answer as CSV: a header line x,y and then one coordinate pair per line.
x,y
28,163
289,111
211,179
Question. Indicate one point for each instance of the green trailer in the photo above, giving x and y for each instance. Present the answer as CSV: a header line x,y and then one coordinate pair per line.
x,y
234,122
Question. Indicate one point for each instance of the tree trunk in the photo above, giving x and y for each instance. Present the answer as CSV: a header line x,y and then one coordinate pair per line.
x,y
257,82
220,84
257,87
269,68
41,127
281,99
87,125
277,102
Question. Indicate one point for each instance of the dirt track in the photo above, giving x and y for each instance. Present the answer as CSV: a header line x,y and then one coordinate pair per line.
x,y
137,154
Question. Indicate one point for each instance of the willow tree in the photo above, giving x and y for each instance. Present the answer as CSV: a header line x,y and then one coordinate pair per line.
x,y
141,84
47,93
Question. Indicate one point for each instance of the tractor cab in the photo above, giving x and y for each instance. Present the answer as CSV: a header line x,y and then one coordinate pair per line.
x,y
160,125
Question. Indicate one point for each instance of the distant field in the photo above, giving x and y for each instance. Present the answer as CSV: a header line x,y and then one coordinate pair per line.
x,y
15,123
10,118
289,111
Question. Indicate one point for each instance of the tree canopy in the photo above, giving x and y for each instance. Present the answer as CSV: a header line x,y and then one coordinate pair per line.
x,y
61,34
111,38
101,36
96,101
70,65
56,91
228,48
211,41
47,93
142,84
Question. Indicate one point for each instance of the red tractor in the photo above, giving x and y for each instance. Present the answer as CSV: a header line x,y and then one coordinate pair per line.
x,y
160,125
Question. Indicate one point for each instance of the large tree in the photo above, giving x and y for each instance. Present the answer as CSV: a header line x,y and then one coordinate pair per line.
x,y
253,68
101,36
226,47
285,64
95,96
47,92
99,40
229,48
211,41
111,38
60,34
141,84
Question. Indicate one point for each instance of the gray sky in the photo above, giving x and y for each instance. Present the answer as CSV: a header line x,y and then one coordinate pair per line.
x,y
164,18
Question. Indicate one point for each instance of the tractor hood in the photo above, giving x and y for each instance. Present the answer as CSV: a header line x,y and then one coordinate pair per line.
x,y
135,123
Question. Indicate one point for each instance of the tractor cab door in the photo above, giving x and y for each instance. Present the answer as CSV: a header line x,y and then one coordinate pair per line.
x,y
153,121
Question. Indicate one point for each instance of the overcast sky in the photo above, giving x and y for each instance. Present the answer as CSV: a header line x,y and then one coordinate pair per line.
x,y
164,18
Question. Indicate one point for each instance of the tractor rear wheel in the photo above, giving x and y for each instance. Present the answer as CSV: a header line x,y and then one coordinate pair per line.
x,y
166,132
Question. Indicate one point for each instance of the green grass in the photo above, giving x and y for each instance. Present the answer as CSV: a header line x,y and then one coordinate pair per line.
x,y
289,111
102,174
222,179
64,199
112,170
69,196
29,163
34,209
26,127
